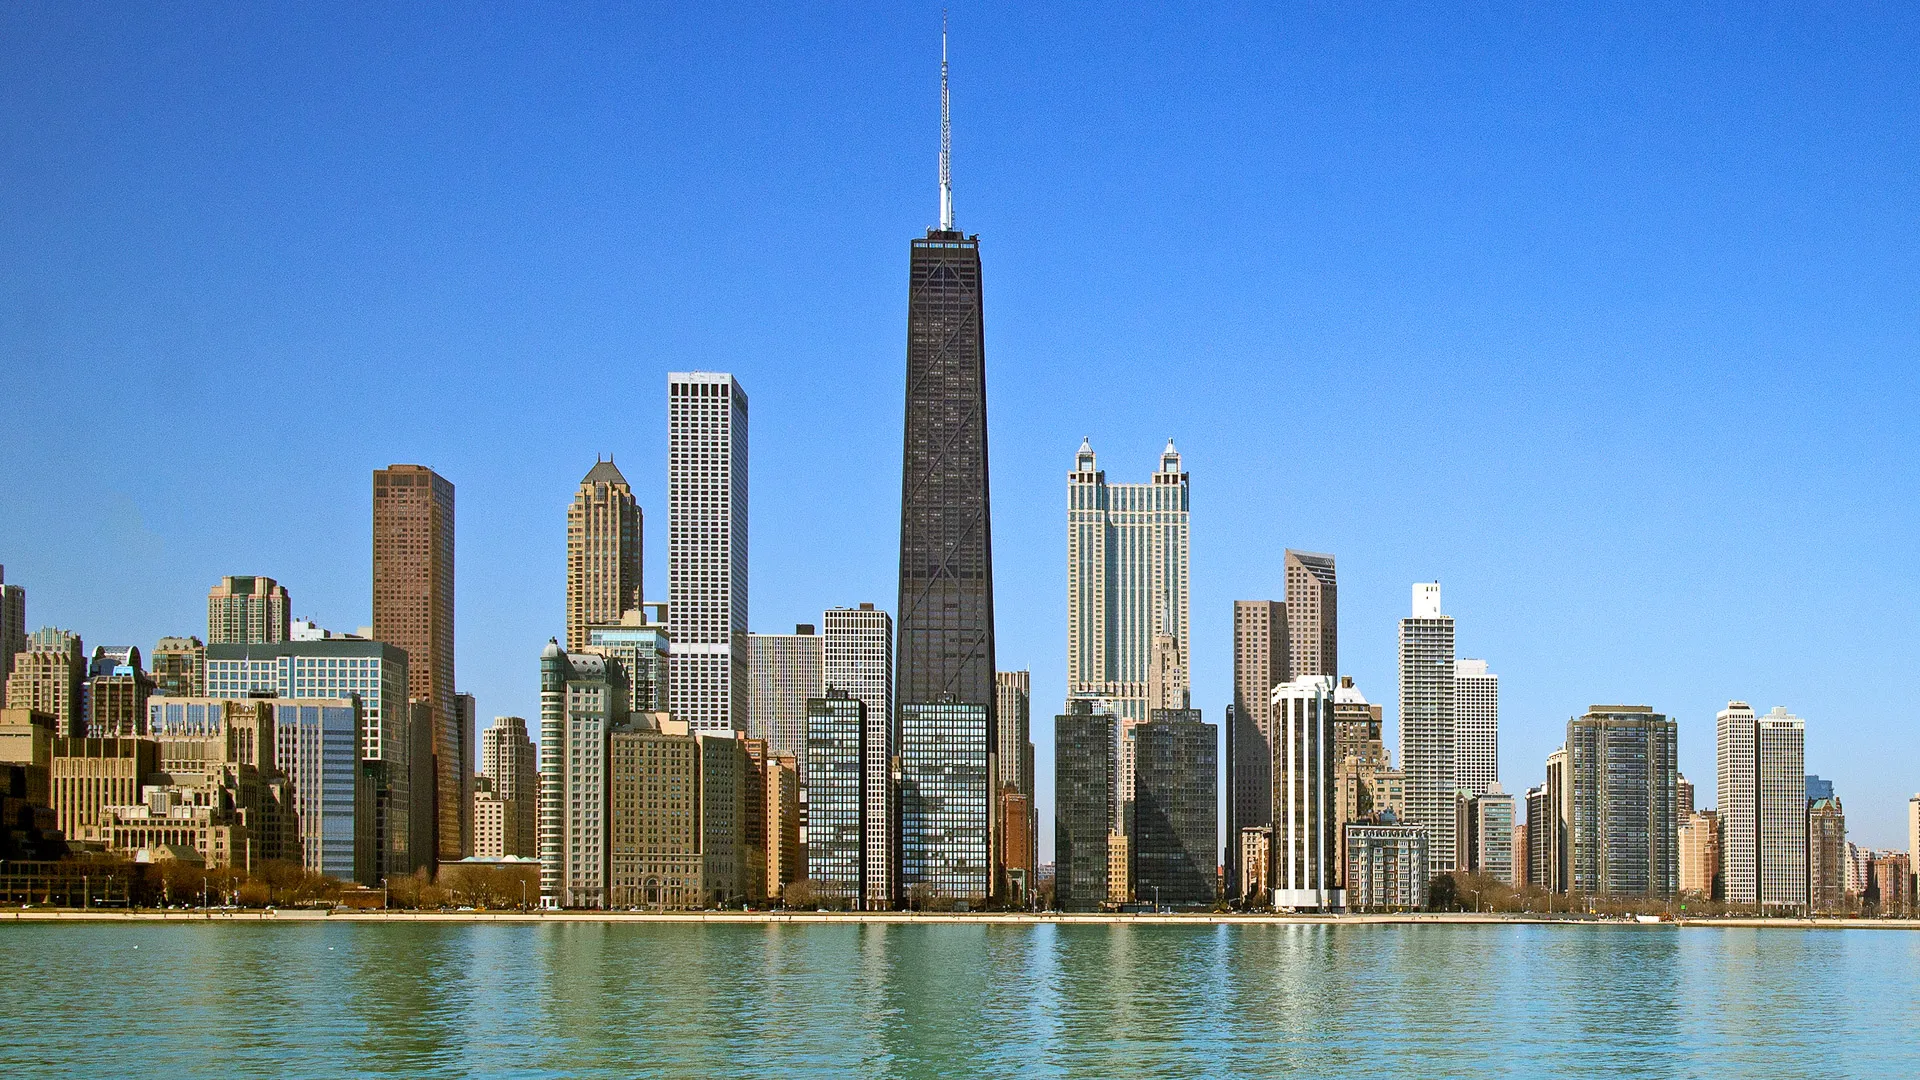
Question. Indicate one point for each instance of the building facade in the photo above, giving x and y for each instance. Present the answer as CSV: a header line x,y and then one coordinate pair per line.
x,y
1826,856
316,745
1622,763
1476,728
1127,593
13,628
1086,794
858,646
655,798
1313,615
1491,844
1427,724
836,799
49,676
643,650
725,776
1763,810
116,692
1386,866
413,577
707,550
604,544
583,699
945,642
1259,664
1176,816
783,671
946,802
1302,859
245,609
179,667
1699,855
509,762
1019,835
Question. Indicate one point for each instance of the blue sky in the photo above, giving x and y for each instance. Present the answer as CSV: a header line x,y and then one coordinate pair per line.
x,y
1606,321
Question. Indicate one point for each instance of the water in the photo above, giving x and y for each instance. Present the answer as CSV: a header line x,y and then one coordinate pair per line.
x,y
637,999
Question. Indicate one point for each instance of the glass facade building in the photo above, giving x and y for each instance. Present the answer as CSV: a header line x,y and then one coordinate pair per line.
x,y
1085,791
315,744
1176,808
836,834
945,814
642,649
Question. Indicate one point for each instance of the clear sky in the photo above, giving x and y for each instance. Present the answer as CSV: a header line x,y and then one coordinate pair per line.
x,y
1606,321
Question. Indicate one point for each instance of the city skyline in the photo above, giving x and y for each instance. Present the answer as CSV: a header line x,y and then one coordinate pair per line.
x,y
130,563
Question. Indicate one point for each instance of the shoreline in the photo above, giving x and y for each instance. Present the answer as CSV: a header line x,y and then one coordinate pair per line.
x,y
309,915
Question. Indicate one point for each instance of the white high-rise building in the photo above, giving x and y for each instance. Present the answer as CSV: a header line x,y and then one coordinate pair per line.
x,y
1737,754
1304,849
1427,724
1763,806
1476,728
858,648
707,550
1127,584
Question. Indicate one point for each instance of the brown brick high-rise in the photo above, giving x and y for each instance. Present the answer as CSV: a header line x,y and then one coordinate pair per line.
x,y
413,610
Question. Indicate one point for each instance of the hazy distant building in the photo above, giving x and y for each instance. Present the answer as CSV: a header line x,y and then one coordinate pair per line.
x,y
1762,795
707,550
1259,665
1127,550
179,667
509,762
413,589
783,671
1476,728
1386,866
1427,723
1255,883
1826,856
583,698
1304,849
316,745
946,818
1086,792
1818,788
1624,834
1889,883
835,767
245,609
1176,808
13,627
604,545
655,833
1549,835
1313,615
49,676
858,647
642,648
1699,854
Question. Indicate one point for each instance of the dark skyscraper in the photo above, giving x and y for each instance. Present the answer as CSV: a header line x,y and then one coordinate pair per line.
x,y
945,652
1175,808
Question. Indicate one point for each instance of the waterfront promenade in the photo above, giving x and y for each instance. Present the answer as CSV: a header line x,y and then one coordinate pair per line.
x,y
251,915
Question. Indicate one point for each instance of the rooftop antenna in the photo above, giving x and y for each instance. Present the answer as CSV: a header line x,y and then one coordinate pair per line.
x,y
946,136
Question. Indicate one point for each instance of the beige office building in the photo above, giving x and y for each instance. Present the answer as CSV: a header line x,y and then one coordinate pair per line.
x,y
508,761
1259,665
1699,854
179,667
604,536
48,676
654,798
1313,615
245,610
89,775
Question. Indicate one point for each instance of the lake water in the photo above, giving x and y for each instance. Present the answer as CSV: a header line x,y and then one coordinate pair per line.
x,y
593,999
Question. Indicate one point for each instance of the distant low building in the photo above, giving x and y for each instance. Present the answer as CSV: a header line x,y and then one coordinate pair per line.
x,y
1699,845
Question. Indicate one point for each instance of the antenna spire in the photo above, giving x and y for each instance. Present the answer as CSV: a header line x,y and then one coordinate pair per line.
x,y
946,136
